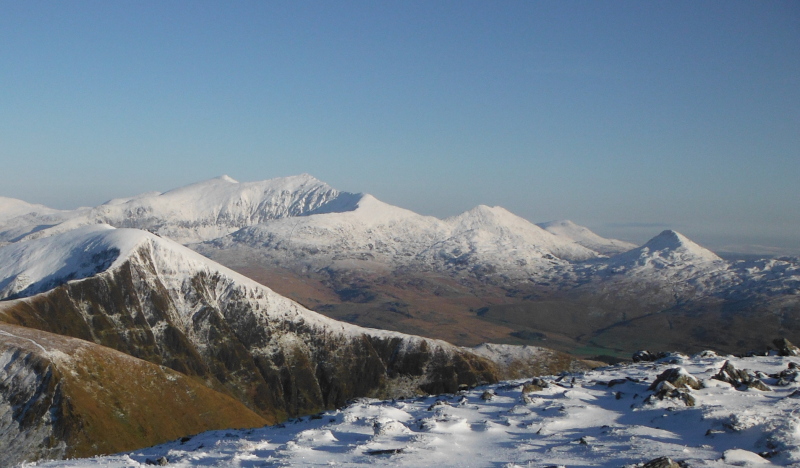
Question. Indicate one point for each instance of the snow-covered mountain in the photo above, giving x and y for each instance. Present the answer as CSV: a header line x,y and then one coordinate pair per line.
x,y
585,237
13,208
679,411
354,243
215,208
377,236
667,249
154,299
202,211
98,275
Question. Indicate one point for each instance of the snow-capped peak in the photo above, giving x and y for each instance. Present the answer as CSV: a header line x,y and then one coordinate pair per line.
x,y
34,266
670,240
207,210
501,222
668,248
11,208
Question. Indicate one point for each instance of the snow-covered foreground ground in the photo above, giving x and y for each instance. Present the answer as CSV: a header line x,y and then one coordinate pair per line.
x,y
597,418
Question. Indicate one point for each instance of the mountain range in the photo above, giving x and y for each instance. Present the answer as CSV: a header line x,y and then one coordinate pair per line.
x,y
484,275
143,277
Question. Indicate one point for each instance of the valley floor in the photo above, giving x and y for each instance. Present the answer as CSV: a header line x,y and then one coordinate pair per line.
x,y
593,419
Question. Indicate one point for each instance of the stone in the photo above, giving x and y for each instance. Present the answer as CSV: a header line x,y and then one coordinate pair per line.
x,y
666,391
535,385
786,348
662,462
678,378
739,378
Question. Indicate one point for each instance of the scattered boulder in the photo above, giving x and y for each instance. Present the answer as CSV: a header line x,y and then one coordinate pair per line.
x,y
662,356
438,403
617,382
162,461
672,358
739,378
663,462
678,378
667,391
535,385
643,356
786,348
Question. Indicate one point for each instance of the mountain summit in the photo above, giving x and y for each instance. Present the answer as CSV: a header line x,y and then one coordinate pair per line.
x,y
669,247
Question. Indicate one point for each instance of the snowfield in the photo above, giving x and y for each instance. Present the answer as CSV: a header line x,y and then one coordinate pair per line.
x,y
609,417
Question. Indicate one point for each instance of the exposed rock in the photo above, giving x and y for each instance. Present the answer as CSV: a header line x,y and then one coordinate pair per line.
x,y
614,382
666,391
535,385
678,378
643,356
739,378
438,403
786,348
487,395
662,462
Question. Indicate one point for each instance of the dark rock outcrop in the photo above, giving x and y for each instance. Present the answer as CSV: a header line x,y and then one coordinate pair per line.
x,y
535,385
678,378
740,378
666,391
786,348
663,462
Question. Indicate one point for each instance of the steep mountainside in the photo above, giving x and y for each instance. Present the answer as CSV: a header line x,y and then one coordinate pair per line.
x,y
63,397
166,304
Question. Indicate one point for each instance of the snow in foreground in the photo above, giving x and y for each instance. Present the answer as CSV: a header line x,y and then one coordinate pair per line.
x,y
597,418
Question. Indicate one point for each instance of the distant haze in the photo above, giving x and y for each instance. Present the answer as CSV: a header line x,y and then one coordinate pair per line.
x,y
626,117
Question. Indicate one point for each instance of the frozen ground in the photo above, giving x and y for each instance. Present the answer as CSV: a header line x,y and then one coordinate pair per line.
x,y
599,418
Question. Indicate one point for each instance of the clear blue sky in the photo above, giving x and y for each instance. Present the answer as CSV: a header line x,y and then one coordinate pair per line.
x,y
627,117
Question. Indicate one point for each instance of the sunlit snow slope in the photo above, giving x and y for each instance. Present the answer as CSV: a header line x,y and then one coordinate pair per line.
x,y
609,417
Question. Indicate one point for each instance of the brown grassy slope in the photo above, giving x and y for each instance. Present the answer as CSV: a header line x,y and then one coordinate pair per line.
x,y
421,304
107,401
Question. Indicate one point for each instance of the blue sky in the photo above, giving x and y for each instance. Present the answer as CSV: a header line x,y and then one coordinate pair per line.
x,y
626,117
